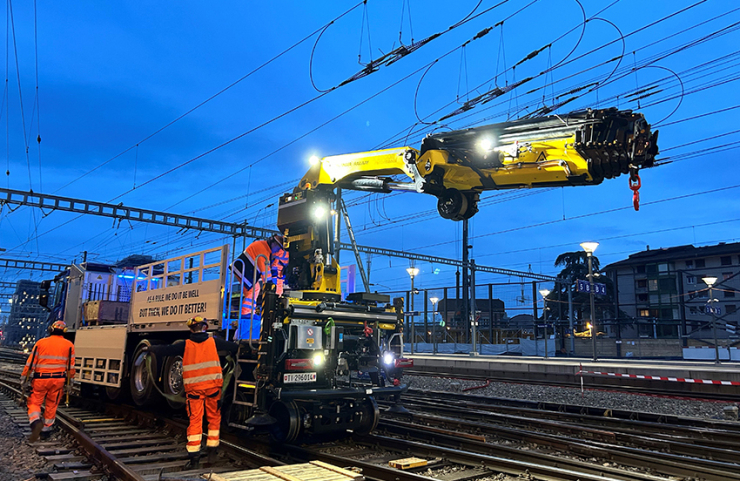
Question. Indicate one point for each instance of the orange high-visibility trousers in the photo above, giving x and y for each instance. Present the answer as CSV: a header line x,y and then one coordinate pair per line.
x,y
51,389
196,401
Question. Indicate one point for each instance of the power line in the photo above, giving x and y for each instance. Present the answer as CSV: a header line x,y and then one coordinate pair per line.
x,y
201,104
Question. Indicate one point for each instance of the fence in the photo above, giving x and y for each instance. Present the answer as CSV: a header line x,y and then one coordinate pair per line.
x,y
514,318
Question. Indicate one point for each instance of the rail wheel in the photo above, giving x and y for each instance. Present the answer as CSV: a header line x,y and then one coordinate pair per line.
x,y
370,415
140,383
172,380
288,425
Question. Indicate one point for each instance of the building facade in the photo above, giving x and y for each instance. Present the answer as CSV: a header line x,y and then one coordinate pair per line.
x,y
27,319
665,288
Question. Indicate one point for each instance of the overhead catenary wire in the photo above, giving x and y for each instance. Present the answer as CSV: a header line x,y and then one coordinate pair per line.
x,y
209,99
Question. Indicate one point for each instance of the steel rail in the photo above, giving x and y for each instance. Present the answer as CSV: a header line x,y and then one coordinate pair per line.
x,y
599,412
665,463
369,470
725,437
93,449
545,469
592,384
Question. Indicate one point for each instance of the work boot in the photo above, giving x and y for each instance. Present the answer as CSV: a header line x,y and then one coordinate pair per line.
x,y
194,462
36,428
45,435
212,454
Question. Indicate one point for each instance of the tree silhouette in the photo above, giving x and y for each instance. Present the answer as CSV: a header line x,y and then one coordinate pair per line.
x,y
575,267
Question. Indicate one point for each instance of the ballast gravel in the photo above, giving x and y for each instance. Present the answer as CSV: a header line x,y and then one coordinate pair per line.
x,y
566,395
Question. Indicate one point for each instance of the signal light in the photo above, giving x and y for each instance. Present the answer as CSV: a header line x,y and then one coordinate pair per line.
x,y
404,362
298,364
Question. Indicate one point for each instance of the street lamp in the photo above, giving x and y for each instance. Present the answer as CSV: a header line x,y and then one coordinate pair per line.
x,y
590,247
710,281
413,272
434,300
544,293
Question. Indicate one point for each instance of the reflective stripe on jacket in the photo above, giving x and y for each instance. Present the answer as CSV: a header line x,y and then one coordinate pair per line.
x,y
201,367
53,354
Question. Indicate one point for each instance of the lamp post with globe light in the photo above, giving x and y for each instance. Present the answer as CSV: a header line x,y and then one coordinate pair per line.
x,y
544,293
413,272
710,281
590,247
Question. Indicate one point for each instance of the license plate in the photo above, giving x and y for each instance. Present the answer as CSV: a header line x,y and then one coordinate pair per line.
x,y
299,377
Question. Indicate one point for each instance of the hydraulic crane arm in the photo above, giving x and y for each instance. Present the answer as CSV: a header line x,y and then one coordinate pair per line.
x,y
580,148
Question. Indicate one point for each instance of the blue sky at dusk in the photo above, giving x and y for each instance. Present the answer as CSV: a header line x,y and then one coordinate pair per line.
x,y
110,74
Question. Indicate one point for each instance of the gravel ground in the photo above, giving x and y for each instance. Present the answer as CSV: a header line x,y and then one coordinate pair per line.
x,y
18,459
564,395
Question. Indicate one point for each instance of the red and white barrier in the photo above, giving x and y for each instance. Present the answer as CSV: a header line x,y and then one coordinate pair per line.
x,y
659,378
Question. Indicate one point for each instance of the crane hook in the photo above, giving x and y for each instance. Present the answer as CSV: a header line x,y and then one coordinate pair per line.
x,y
635,184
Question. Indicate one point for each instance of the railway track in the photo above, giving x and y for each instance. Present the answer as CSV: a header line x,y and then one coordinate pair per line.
x,y
684,447
128,444
459,436
626,385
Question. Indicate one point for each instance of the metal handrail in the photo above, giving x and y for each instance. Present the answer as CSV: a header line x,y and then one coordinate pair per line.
x,y
254,281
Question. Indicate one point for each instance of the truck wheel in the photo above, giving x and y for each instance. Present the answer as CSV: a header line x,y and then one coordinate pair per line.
x,y
288,425
115,394
370,415
172,380
142,385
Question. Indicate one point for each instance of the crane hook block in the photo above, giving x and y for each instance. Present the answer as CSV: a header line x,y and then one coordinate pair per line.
x,y
635,185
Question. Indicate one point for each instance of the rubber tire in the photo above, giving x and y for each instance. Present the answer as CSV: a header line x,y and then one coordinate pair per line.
x,y
167,383
287,429
116,394
370,416
141,386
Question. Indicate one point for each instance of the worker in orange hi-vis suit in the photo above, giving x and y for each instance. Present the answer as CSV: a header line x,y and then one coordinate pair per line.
x,y
202,379
50,365
270,270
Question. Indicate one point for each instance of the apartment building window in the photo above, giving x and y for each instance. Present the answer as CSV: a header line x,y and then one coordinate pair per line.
x,y
640,269
730,308
641,283
689,264
725,260
652,269
653,285
644,312
729,293
690,279
726,275
667,284
642,297
700,263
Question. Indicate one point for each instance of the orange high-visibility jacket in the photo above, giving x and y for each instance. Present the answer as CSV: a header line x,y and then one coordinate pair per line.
x,y
51,354
256,248
201,367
